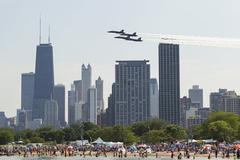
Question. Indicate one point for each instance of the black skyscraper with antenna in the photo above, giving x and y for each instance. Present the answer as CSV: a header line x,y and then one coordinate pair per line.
x,y
44,77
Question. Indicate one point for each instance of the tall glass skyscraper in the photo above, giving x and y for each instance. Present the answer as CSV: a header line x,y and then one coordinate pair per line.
x,y
27,90
59,96
169,83
44,79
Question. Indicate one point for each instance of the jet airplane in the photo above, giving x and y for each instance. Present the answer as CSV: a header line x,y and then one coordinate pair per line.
x,y
117,32
127,34
128,38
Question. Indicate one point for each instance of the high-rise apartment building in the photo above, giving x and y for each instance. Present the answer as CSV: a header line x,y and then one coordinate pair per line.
x,y
100,102
92,105
59,96
51,113
169,83
78,90
27,90
154,106
215,99
110,111
196,95
230,102
86,81
71,105
43,80
3,120
131,92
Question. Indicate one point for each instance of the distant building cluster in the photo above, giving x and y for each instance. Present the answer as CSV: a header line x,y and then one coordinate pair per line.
x,y
135,95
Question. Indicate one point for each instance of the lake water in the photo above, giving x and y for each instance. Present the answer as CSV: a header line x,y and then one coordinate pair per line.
x,y
89,158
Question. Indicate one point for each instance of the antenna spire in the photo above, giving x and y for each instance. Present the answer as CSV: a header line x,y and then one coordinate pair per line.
x,y
49,34
40,30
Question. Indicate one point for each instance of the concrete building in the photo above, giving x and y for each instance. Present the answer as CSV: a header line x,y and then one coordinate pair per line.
x,y
79,111
78,90
154,106
21,120
59,96
92,105
215,99
131,93
100,101
51,114
71,105
196,95
27,90
36,123
191,111
86,81
230,102
169,83
3,120
110,111
43,80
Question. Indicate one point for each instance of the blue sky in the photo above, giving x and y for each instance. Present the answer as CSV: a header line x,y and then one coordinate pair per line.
x,y
78,34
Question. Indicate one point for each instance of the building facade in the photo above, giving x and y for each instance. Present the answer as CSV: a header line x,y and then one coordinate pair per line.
x,y
92,105
51,114
86,81
154,106
27,90
196,95
43,80
230,102
71,105
3,120
59,96
131,93
100,101
78,90
215,99
169,83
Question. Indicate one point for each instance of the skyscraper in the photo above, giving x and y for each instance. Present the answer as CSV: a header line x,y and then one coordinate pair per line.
x,y
51,113
71,105
22,120
132,99
196,95
27,90
59,96
3,120
215,99
110,111
86,81
100,102
44,79
92,105
154,106
78,90
169,83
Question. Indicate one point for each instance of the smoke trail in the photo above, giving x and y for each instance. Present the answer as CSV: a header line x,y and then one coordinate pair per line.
x,y
191,40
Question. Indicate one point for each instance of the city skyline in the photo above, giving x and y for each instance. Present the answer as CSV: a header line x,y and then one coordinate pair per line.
x,y
78,42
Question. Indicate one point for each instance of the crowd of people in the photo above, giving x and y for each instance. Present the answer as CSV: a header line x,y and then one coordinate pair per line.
x,y
173,150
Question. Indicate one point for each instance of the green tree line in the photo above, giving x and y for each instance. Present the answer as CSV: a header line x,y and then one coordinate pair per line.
x,y
151,131
221,126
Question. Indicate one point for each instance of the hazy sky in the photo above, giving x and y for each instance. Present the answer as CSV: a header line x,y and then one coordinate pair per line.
x,y
78,34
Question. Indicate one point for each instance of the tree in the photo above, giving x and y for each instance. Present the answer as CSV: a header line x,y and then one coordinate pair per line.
x,y
225,121
154,136
123,134
221,131
140,128
6,135
175,132
59,136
